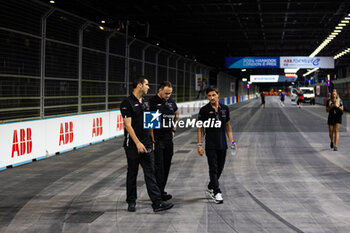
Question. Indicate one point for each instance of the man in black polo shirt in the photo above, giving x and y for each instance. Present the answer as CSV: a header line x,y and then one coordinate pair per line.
x,y
163,138
139,147
215,140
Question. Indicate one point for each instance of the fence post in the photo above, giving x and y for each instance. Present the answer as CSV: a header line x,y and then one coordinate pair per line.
x,y
107,66
80,62
127,59
190,82
157,56
42,61
126,73
184,82
167,68
143,58
176,77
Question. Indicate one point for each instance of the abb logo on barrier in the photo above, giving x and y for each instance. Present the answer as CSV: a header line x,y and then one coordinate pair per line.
x,y
24,144
97,128
66,133
120,123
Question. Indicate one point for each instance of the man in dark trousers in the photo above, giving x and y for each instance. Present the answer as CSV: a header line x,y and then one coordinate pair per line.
x,y
262,96
163,137
139,147
215,140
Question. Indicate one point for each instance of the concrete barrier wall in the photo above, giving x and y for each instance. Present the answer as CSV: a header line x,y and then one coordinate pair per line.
x,y
23,142
346,105
322,101
234,99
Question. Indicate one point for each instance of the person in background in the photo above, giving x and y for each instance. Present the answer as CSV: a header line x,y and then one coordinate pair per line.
x,y
201,92
335,110
300,98
262,96
282,98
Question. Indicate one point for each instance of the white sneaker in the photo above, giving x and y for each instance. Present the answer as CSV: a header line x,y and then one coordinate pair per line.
x,y
218,198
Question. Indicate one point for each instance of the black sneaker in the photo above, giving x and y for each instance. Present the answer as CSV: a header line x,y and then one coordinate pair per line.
x,y
332,145
335,148
132,207
161,206
166,197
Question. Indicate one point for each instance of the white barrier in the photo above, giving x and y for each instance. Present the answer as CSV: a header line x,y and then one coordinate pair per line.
x,y
22,142
190,108
233,100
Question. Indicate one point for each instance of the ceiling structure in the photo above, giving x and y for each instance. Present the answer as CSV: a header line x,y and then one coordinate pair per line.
x,y
211,30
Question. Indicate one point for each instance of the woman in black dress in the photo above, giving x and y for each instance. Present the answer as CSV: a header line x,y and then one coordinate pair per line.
x,y
335,109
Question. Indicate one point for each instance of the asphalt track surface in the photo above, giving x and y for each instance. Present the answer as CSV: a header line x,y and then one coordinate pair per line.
x,y
284,178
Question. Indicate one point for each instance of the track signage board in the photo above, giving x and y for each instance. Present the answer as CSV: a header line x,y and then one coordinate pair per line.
x,y
271,78
307,62
279,62
252,62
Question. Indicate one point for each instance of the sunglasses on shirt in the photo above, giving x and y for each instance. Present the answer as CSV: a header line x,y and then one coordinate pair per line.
x,y
217,116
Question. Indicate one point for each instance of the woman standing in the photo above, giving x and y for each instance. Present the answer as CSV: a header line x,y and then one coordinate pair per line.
x,y
335,109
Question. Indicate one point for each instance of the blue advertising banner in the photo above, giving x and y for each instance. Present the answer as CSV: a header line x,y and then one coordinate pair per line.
x,y
252,62
283,78
307,62
279,62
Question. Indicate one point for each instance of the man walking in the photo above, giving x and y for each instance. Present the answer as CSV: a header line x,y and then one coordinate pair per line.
x,y
139,148
215,140
262,96
163,138
282,98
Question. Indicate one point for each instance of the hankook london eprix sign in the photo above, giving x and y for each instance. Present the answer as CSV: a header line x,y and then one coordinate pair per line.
x,y
279,62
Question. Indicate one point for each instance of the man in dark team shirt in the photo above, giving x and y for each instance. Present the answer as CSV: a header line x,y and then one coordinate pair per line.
x,y
215,140
139,147
163,138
